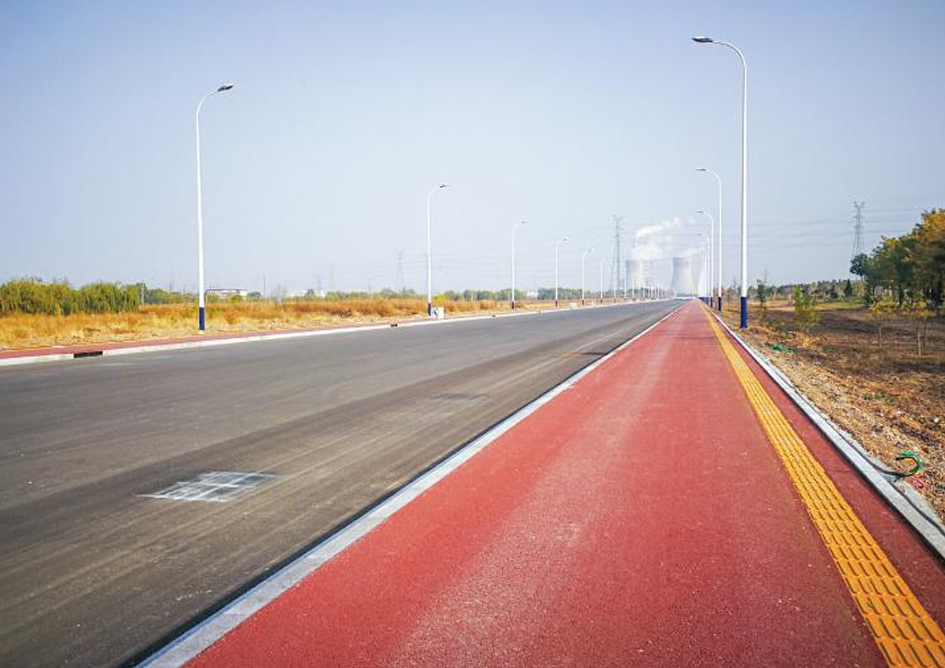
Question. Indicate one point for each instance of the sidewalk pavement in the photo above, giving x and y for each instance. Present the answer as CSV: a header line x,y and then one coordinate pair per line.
x,y
655,514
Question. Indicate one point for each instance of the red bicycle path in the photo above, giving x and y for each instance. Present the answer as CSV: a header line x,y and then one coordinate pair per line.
x,y
640,518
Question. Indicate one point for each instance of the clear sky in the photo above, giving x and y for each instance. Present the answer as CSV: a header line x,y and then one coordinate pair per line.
x,y
345,114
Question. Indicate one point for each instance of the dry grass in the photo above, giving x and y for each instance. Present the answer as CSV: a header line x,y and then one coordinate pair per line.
x,y
888,396
177,320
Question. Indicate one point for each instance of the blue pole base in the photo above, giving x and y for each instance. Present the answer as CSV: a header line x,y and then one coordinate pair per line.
x,y
430,309
720,303
203,319
744,312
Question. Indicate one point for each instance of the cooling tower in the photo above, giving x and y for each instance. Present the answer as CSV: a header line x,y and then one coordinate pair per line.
x,y
635,274
682,277
696,267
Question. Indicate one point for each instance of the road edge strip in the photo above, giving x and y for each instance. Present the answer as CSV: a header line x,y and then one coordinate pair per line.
x,y
927,526
280,336
206,633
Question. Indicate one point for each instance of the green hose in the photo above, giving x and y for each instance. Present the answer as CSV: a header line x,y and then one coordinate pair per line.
x,y
916,460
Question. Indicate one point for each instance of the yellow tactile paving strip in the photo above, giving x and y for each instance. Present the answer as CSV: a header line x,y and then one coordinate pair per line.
x,y
905,632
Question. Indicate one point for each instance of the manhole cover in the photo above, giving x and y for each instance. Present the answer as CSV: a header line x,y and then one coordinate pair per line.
x,y
214,486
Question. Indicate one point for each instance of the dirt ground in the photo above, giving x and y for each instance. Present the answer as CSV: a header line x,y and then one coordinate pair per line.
x,y
885,394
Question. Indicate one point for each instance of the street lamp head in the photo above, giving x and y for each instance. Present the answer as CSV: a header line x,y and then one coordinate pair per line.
x,y
701,39
444,185
700,211
701,169
226,86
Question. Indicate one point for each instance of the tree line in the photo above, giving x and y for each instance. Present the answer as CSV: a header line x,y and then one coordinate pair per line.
x,y
910,268
59,297
30,295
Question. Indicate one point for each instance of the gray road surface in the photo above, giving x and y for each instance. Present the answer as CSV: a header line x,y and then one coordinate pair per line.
x,y
92,572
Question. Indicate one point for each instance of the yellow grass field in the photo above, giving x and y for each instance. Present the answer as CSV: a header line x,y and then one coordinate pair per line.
x,y
176,320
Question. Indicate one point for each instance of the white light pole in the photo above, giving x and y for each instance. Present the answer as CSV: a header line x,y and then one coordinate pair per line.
x,y
718,246
626,279
201,304
601,295
514,230
562,240
430,247
709,284
584,257
744,289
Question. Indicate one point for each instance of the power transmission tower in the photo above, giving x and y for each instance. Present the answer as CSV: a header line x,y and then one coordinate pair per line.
x,y
858,229
615,272
401,281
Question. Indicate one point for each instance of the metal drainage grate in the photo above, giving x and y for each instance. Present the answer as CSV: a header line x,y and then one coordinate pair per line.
x,y
214,486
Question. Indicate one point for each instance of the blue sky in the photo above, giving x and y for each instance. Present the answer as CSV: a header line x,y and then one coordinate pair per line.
x,y
317,165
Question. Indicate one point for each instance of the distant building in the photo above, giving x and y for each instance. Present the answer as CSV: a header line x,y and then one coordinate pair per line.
x,y
225,293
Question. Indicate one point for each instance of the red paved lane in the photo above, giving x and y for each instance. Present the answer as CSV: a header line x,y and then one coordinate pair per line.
x,y
640,518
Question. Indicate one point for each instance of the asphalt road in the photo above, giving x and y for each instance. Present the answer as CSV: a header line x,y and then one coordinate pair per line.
x,y
93,572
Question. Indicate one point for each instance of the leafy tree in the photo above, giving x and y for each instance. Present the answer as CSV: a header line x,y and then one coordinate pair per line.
x,y
893,265
806,314
860,265
864,267
929,257
848,289
763,292
879,312
920,312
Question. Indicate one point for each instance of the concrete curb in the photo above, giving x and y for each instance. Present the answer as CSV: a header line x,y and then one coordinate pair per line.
x,y
280,336
910,505
194,641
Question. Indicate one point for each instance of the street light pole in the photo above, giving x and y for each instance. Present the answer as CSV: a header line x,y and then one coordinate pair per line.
x,y
707,269
744,289
601,295
201,303
430,247
560,241
709,283
718,246
514,230
584,257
